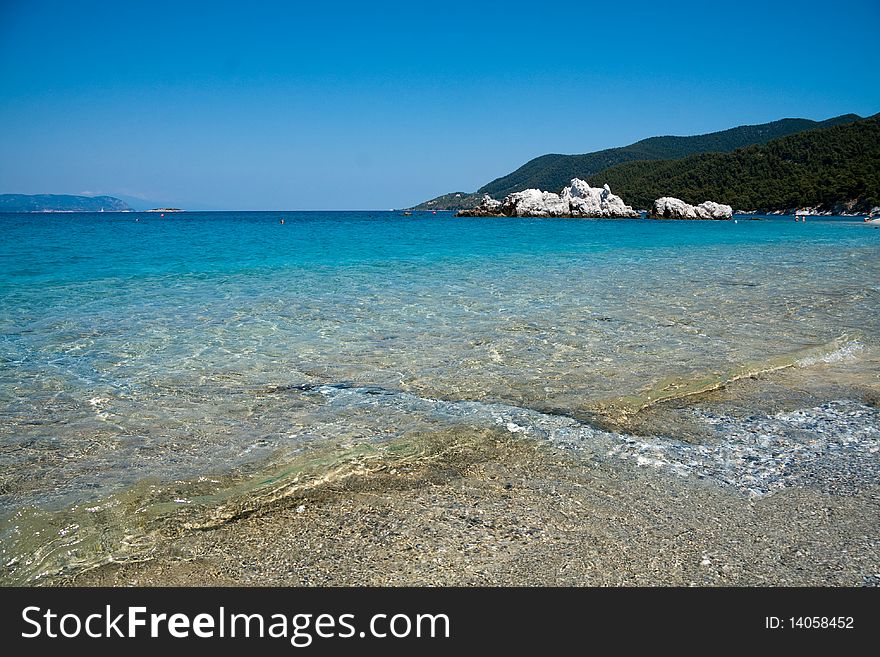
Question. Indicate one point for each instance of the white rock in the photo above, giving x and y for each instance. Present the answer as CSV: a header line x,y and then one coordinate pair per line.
x,y
488,207
672,208
668,207
586,201
576,200
490,204
534,203
712,210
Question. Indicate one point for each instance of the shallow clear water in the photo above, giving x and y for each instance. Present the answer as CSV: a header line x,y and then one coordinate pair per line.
x,y
136,346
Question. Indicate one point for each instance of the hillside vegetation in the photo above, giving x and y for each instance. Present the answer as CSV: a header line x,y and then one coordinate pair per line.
x,y
835,168
553,172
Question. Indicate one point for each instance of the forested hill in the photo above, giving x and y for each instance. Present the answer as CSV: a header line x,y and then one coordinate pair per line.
x,y
835,168
553,172
60,203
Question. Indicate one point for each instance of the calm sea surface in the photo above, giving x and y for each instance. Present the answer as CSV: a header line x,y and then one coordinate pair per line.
x,y
134,346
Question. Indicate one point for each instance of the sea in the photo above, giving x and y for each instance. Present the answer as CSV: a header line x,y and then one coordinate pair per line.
x,y
159,365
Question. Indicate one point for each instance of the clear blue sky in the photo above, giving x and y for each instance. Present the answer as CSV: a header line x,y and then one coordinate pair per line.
x,y
335,105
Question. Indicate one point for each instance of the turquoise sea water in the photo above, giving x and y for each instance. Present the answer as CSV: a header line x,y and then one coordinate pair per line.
x,y
136,346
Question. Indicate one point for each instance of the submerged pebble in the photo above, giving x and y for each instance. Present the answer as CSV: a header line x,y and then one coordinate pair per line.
x,y
833,446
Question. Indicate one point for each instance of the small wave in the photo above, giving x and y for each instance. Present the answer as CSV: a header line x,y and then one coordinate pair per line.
x,y
835,444
841,349
754,457
845,353
37,544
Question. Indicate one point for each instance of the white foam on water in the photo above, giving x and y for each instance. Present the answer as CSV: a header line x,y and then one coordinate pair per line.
x,y
846,353
756,455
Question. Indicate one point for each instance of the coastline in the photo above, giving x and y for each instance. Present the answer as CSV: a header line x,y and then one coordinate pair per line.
x,y
507,512
492,507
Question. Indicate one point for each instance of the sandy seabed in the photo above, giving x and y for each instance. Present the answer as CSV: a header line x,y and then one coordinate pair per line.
x,y
494,510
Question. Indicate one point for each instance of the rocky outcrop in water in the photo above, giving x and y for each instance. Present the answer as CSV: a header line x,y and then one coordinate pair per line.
x,y
576,200
851,208
586,201
488,207
673,208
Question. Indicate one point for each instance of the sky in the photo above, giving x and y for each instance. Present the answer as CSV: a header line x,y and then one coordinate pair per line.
x,y
377,105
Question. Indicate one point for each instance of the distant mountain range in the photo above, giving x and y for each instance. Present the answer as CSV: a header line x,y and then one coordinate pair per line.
x,y
61,203
552,172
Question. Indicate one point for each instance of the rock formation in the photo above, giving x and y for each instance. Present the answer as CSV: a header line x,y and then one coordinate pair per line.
x,y
673,208
576,200
487,207
586,201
